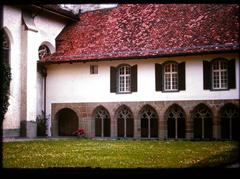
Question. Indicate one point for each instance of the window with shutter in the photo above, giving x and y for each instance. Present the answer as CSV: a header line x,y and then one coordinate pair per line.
x,y
123,79
219,74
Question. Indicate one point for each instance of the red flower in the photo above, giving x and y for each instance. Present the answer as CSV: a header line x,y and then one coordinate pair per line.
x,y
79,132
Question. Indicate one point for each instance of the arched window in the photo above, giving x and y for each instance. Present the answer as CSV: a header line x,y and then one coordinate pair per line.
x,y
219,74
102,122
124,122
43,51
230,122
170,74
149,122
175,117
202,122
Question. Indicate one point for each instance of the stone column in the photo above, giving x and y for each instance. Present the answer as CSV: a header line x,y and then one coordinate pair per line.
x,y
216,126
189,126
161,126
29,78
137,126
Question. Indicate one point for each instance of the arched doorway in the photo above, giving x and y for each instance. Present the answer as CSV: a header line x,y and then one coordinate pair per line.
x,y
102,122
149,122
230,122
202,122
124,122
67,122
175,117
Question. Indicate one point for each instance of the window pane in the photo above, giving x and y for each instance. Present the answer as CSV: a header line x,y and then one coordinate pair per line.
x,y
171,77
219,74
124,79
174,67
167,68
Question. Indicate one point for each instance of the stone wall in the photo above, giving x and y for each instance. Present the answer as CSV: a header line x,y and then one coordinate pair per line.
x,y
85,111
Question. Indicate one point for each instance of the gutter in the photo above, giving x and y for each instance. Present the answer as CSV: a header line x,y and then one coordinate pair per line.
x,y
42,8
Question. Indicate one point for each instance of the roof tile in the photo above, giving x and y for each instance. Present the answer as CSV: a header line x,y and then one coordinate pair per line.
x,y
144,30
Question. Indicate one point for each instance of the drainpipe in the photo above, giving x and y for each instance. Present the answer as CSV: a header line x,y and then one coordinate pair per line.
x,y
44,73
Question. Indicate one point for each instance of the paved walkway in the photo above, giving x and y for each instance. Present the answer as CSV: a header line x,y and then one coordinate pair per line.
x,y
13,139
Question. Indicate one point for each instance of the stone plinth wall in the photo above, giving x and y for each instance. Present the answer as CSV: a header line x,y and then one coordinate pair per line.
x,y
85,112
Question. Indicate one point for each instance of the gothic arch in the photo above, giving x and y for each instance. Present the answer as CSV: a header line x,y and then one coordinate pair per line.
x,y
175,117
229,120
67,121
102,121
202,121
149,122
125,122
9,35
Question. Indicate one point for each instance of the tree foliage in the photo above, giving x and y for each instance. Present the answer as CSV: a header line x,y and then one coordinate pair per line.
x,y
5,85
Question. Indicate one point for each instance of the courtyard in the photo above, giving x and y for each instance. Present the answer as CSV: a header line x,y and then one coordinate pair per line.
x,y
100,153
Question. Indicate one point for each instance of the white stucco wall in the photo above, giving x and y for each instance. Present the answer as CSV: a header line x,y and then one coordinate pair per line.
x,y
72,83
23,59
12,26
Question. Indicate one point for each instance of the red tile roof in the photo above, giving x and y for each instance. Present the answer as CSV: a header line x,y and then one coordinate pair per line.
x,y
149,30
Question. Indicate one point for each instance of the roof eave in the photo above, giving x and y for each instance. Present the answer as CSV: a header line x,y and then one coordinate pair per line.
x,y
62,13
136,57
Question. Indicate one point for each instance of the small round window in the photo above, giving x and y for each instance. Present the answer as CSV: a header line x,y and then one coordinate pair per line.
x,y
43,51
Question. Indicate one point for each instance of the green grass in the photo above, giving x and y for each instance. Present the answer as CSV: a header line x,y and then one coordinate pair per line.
x,y
118,153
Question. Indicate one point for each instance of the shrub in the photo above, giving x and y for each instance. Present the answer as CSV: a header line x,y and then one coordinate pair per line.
x,y
41,125
5,84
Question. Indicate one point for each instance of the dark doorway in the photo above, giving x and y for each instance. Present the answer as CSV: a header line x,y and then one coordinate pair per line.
x,y
67,122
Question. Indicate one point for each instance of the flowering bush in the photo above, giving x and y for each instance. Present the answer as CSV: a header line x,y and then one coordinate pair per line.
x,y
79,132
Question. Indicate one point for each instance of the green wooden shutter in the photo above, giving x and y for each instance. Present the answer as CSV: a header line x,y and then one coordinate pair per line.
x,y
158,77
134,78
181,76
112,79
231,74
207,77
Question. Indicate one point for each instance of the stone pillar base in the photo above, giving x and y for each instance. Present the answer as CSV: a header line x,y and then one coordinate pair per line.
x,y
28,129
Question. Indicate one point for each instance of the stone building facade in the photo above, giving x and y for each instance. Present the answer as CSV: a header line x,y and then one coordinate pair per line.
x,y
151,71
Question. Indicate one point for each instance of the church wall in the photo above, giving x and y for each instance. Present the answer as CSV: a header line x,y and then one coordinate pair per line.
x,y
13,30
26,98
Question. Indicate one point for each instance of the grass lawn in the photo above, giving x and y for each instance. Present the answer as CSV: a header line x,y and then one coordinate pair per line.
x,y
118,153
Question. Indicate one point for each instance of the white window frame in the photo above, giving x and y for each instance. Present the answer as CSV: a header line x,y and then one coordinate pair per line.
x,y
219,71
171,73
123,85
